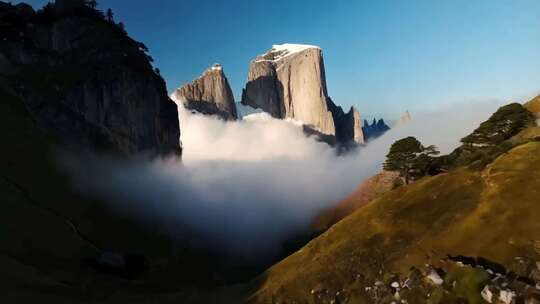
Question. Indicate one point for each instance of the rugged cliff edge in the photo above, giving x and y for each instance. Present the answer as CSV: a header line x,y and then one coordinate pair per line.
x,y
209,94
85,80
289,81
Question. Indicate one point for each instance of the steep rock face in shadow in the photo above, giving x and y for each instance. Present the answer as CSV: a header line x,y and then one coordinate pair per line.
x,y
263,90
376,129
85,81
289,81
209,94
348,125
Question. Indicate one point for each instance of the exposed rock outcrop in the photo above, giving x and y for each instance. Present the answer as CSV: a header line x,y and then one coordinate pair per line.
x,y
348,125
376,129
289,81
209,94
85,80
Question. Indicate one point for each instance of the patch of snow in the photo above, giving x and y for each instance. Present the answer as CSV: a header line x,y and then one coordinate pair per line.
x,y
280,51
217,67
293,48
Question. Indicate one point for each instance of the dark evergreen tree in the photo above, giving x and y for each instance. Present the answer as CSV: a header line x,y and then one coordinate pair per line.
x,y
109,16
502,125
410,158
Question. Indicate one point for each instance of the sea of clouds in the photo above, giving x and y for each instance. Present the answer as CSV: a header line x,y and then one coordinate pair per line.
x,y
246,186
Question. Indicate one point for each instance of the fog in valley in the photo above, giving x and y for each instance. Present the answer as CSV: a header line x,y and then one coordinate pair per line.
x,y
243,187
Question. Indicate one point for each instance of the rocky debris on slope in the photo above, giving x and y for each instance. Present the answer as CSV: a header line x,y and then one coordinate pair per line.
x,y
452,282
289,81
85,80
376,129
209,94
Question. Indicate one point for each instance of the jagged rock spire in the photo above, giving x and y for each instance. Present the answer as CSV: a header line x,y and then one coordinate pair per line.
x,y
209,94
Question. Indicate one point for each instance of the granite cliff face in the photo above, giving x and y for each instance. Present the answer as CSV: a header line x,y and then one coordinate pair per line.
x,y
289,81
208,94
85,80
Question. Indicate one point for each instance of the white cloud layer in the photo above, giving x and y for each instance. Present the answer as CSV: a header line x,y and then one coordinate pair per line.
x,y
245,186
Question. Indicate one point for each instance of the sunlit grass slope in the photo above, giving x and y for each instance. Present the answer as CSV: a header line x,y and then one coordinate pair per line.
x,y
534,105
491,213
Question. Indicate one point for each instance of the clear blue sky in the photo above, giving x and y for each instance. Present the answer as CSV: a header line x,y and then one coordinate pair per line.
x,y
382,56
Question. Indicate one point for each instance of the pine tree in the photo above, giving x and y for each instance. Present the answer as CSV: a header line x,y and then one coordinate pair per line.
x,y
502,125
109,16
410,158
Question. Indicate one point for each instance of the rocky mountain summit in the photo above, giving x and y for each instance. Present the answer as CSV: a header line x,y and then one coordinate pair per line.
x,y
405,118
289,81
209,94
85,80
376,129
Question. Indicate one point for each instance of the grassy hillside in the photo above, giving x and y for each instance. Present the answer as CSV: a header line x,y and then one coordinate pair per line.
x,y
369,190
534,105
490,213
